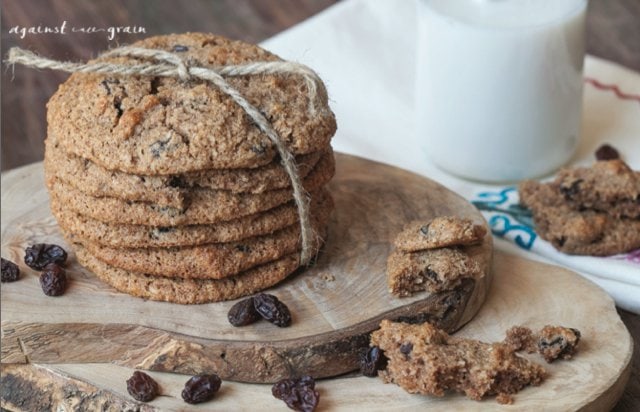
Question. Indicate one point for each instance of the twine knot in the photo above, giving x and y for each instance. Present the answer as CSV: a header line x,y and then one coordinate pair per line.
x,y
166,64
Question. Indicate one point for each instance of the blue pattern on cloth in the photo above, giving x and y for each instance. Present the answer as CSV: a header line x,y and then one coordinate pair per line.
x,y
506,217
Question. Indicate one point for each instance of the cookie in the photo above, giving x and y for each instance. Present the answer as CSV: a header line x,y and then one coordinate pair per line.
x,y
552,342
211,261
169,190
161,125
190,291
135,236
441,231
433,270
557,342
426,360
586,232
206,206
607,186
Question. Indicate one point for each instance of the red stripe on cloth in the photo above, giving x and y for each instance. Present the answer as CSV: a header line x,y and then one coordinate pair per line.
x,y
612,87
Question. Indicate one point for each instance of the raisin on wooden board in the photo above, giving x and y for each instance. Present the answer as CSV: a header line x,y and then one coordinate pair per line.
x,y
53,280
271,309
41,254
243,313
10,271
298,394
372,361
142,387
201,388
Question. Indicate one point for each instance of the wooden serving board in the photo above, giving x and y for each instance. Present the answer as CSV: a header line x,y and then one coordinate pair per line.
x,y
523,293
335,304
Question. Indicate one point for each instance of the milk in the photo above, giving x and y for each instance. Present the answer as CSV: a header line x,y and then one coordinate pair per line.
x,y
499,85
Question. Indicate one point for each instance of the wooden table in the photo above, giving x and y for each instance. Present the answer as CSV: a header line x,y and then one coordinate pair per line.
x,y
613,30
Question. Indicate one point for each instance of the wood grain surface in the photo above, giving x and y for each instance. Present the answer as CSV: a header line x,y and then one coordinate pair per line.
x,y
613,32
523,292
335,304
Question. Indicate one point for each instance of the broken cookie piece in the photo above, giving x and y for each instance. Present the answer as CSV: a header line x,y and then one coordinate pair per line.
x,y
579,232
552,342
436,255
609,186
442,231
433,270
424,359
557,342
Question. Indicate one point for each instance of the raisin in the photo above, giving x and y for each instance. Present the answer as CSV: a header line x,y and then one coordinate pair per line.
x,y
177,182
40,255
259,149
53,280
243,248
153,85
556,342
271,309
158,147
372,361
105,83
179,48
10,271
432,275
573,189
142,387
201,388
406,348
607,152
243,313
298,394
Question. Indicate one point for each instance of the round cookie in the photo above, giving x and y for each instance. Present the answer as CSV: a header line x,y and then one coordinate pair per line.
x,y
161,125
134,236
212,261
190,291
169,190
206,206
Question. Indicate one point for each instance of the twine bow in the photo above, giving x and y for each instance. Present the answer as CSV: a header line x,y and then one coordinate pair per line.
x,y
161,63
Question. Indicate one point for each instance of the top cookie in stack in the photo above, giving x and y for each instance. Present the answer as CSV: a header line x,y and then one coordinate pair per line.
x,y
168,189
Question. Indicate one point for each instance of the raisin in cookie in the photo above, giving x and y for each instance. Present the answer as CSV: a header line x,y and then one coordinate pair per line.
x,y
433,270
138,236
424,359
209,261
206,206
169,190
162,125
585,232
608,186
441,231
552,342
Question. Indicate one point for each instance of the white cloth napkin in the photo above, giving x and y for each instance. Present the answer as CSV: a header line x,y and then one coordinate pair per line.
x,y
364,50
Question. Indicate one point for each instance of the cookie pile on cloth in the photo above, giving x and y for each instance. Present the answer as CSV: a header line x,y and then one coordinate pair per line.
x,y
168,189
587,210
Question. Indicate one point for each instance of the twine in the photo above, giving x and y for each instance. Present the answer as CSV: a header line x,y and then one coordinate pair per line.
x,y
171,65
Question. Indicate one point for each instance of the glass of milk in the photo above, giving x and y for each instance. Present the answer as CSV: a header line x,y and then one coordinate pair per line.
x,y
499,85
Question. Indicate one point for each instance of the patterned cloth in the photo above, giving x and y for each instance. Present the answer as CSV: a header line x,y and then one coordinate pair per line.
x,y
364,50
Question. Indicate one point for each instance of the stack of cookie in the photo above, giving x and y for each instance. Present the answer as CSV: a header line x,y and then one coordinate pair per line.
x,y
587,210
166,187
436,255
